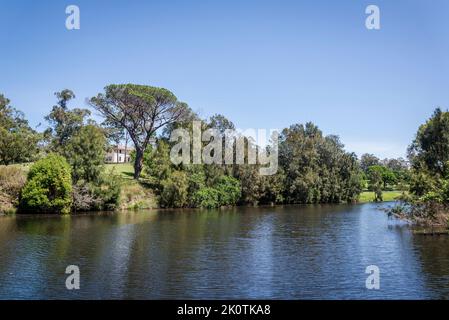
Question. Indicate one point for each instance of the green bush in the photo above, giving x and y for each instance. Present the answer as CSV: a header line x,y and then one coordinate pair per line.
x,y
229,190
175,190
207,198
108,191
48,188
226,191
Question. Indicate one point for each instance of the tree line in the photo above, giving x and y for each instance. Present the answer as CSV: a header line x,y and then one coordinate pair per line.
x,y
68,172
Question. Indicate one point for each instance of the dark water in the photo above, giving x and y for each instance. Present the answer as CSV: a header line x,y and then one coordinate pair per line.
x,y
293,252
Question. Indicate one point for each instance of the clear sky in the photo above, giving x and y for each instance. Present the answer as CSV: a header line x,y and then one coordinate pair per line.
x,y
263,64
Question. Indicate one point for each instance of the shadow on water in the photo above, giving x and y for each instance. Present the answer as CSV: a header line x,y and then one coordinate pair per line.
x,y
286,252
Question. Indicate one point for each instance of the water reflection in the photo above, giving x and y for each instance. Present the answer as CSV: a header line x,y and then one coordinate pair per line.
x,y
291,252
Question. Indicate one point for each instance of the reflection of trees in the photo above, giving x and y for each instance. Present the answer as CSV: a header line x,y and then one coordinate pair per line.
x,y
434,255
8,236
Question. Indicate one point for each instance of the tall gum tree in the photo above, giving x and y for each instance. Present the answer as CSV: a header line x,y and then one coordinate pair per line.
x,y
141,110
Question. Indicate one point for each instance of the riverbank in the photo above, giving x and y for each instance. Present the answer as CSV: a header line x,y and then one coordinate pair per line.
x,y
126,172
135,195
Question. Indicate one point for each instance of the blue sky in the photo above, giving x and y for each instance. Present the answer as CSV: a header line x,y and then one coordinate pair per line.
x,y
263,64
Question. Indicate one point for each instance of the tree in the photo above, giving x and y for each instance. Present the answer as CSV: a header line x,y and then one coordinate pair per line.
x,y
141,111
157,163
367,160
85,153
430,149
18,142
376,182
429,158
49,186
64,123
316,167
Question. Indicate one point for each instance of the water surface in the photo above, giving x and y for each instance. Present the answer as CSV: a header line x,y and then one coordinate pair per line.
x,y
290,252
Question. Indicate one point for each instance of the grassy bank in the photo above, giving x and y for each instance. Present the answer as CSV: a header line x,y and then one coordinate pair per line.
x,y
368,196
125,170
133,195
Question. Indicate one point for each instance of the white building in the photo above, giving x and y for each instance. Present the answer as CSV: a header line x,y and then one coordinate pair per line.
x,y
119,154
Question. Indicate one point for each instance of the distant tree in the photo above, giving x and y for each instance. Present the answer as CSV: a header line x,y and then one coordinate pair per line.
x,y
376,182
317,169
64,123
141,111
368,160
430,149
85,153
221,123
18,142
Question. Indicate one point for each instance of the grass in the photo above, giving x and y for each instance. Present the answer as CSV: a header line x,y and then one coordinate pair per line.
x,y
368,196
125,170
134,194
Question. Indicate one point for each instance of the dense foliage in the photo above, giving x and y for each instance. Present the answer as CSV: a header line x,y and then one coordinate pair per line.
x,y
49,186
18,142
85,152
313,169
429,155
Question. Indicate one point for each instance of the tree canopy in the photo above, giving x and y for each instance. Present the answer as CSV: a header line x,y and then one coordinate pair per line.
x,y
141,110
18,142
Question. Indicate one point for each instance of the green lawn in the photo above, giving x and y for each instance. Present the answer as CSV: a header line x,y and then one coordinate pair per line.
x,y
368,196
125,170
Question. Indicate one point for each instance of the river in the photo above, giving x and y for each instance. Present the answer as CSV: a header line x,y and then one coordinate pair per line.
x,y
286,252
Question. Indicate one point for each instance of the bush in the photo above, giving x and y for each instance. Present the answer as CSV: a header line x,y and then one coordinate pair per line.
x,y
103,195
48,188
12,180
229,190
109,192
175,190
207,198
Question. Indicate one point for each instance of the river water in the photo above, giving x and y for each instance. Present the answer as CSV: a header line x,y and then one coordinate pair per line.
x,y
289,252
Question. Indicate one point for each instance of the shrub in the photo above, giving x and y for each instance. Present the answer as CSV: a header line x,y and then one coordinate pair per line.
x,y
12,180
207,198
109,192
103,195
229,190
175,190
48,188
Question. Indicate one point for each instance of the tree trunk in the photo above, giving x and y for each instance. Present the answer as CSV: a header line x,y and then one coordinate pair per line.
x,y
138,163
